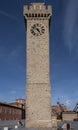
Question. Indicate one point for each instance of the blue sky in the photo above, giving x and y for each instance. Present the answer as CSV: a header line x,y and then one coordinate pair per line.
x,y
63,51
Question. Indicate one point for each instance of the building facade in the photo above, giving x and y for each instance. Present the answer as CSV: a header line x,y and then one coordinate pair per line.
x,y
58,110
38,96
8,112
18,103
69,116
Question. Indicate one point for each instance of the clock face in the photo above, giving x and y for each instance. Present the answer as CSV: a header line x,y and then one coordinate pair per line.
x,y
37,29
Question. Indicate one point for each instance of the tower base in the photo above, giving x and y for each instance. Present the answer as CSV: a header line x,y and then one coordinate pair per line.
x,y
38,124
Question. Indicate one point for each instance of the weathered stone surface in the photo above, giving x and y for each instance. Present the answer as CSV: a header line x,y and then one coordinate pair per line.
x,y
38,96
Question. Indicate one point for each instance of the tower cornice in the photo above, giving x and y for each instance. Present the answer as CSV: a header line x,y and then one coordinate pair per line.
x,y
37,11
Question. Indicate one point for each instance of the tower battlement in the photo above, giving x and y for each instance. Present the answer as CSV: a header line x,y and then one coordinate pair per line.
x,y
37,10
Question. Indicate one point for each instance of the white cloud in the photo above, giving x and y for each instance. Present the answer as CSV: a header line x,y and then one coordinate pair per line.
x,y
13,92
68,103
14,54
8,15
70,25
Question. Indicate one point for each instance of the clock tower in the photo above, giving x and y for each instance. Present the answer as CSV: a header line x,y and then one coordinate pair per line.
x,y
38,97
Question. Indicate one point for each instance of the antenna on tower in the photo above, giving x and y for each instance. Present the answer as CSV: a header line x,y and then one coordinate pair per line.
x,y
58,101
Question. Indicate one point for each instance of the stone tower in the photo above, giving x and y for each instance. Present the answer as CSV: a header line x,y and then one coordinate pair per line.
x,y
38,105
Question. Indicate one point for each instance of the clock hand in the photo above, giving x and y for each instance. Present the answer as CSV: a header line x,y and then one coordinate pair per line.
x,y
38,30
